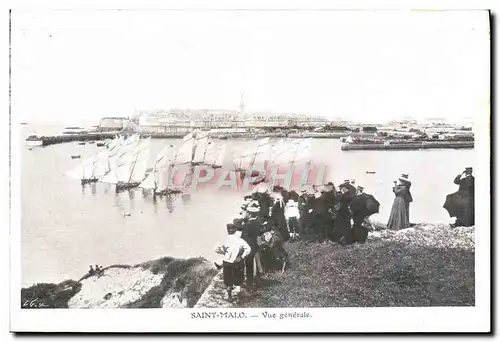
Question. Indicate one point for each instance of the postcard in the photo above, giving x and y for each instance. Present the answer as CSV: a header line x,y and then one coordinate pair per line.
x,y
246,170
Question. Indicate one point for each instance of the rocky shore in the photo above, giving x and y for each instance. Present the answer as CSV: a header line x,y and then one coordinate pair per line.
x,y
162,283
426,265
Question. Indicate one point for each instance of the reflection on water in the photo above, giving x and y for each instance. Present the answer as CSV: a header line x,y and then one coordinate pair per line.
x,y
66,227
186,198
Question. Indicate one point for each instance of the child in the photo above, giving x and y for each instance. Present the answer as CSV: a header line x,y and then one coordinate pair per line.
x,y
235,250
292,218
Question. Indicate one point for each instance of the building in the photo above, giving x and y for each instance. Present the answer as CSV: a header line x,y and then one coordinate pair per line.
x,y
113,123
175,119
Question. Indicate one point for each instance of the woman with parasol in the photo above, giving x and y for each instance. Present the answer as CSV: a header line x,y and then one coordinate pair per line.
x,y
400,212
460,204
362,206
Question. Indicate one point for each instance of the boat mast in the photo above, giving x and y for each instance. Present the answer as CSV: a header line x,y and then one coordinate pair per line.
x,y
133,167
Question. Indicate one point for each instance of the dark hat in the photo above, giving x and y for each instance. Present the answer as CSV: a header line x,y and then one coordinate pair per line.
x,y
360,188
231,226
237,221
346,181
329,183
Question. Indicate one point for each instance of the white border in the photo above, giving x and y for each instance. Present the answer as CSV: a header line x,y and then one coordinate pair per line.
x,y
324,320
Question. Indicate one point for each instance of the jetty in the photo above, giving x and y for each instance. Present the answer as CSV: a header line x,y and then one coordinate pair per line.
x,y
57,139
417,145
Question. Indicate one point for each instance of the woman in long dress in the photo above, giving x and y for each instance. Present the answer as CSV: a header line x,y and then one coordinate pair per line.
x,y
400,212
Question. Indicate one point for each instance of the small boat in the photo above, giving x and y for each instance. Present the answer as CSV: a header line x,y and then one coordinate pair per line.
x,y
371,172
75,156
30,148
34,140
81,143
100,144
24,123
91,142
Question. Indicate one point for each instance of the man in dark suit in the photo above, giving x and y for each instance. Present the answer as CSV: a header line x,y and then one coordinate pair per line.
x,y
465,181
251,229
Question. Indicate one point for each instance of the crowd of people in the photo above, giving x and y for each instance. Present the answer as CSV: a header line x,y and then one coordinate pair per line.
x,y
270,217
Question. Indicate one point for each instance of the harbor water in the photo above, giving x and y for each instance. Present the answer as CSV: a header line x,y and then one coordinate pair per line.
x,y
66,228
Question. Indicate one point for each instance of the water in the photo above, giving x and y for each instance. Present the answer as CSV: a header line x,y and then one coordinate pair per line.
x,y
66,227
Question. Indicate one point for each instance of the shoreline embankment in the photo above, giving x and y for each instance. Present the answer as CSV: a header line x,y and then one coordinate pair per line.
x,y
92,136
426,265
59,139
409,145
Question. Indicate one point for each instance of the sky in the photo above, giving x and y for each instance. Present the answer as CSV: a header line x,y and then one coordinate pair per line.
x,y
369,66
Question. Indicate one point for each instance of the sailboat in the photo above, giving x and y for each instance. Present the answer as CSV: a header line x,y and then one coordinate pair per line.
x,y
158,179
259,156
301,153
291,153
85,172
202,144
121,148
214,157
91,169
288,155
128,169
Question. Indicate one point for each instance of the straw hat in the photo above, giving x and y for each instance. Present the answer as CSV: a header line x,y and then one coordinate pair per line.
x,y
404,178
253,209
468,170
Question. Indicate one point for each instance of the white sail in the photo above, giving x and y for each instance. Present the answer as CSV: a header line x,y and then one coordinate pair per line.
x,y
140,161
202,144
89,169
148,182
302,152
262,155
85,170
221,151
284,152
122,151
102,165
158,178
277,148
244,160
184,154
120,161
257,155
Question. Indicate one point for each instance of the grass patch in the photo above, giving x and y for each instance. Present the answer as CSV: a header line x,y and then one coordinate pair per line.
x,y
49,296
378,274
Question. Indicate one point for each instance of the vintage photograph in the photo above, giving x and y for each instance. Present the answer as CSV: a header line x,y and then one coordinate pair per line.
x,y
244,159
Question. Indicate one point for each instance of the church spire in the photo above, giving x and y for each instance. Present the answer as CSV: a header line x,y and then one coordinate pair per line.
x,y
242,104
